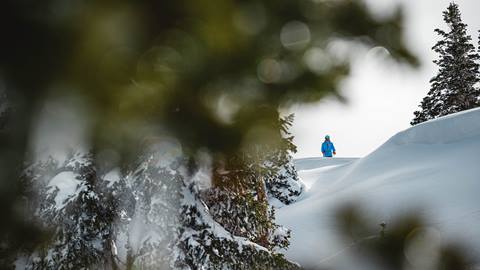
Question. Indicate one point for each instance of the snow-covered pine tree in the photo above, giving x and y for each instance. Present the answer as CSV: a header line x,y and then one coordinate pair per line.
x,y
206,244
453,88
238,200
230,225
151,234
281,177
75,205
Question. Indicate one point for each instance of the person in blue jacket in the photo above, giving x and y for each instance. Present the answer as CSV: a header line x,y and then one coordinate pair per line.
x,y
327,147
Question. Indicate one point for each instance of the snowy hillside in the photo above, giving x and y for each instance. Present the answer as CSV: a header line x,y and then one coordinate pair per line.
x,y
433,167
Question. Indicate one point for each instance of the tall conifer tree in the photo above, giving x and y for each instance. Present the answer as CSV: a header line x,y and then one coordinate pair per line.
x,y
453,88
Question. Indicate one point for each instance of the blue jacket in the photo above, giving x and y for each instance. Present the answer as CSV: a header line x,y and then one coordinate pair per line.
x,y
328,149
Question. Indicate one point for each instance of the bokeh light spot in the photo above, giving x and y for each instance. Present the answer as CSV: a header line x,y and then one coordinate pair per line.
x,y
295,35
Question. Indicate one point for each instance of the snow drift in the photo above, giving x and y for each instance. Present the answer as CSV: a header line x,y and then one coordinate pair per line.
x,y
433,168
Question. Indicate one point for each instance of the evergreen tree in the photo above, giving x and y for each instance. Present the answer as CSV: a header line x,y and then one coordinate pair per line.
x,y
80,212
281,177
156,185
453,88
229,228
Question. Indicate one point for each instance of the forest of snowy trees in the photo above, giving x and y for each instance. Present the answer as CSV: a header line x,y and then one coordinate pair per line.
x,y
155,214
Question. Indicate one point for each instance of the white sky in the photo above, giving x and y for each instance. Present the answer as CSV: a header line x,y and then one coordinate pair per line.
x,y
382,96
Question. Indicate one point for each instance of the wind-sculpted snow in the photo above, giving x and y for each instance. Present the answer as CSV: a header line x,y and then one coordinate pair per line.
x,y
452,128
432,169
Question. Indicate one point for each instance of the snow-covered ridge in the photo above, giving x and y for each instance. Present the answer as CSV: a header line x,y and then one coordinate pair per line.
x,y
318,162
433,166
447,129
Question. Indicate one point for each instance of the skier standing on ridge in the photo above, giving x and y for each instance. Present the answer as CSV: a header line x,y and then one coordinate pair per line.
x,y
328,148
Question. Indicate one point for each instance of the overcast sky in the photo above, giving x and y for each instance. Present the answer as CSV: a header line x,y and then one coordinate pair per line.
x,y
382,96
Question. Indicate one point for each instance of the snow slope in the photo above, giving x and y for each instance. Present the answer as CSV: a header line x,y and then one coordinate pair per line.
x,y
433,167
